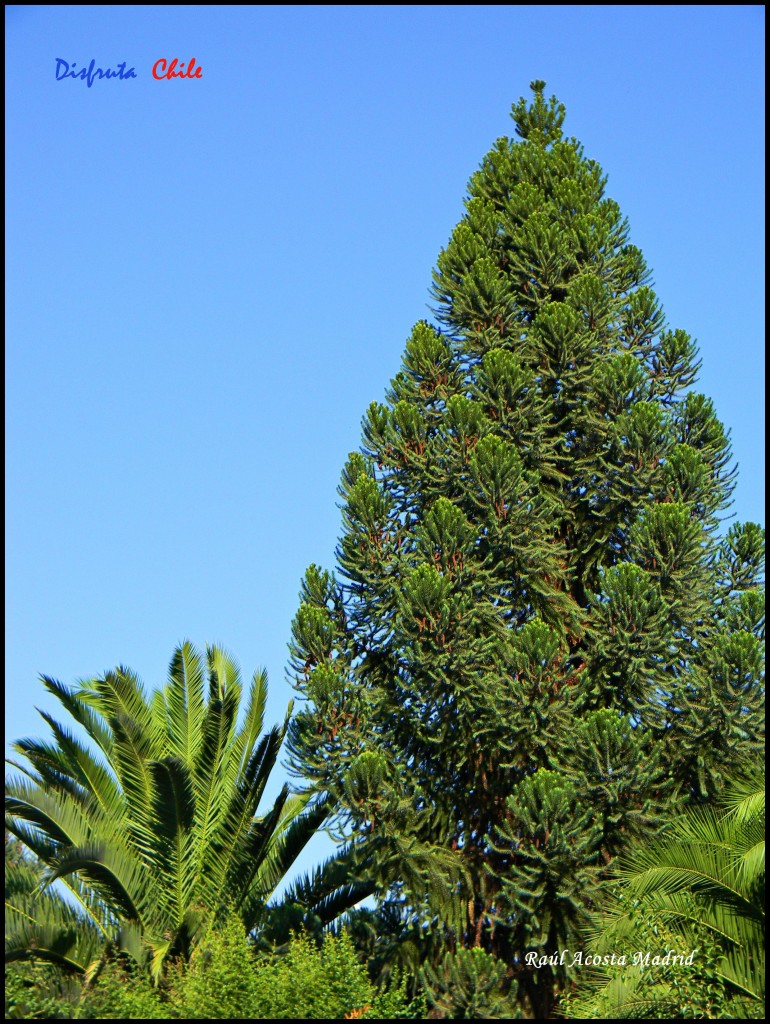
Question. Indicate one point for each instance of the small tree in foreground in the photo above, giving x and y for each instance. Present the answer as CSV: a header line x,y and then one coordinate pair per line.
x,y
156,825
535,641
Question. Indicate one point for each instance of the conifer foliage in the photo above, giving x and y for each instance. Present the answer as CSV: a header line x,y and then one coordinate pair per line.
x,y
534,639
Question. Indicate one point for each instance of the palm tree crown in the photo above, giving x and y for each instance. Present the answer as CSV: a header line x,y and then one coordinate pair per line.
x,y
155,826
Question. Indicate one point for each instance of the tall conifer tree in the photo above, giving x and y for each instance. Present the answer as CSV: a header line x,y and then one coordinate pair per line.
x,y
535,638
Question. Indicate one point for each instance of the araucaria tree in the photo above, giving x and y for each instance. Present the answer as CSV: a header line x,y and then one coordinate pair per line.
x,y
536,639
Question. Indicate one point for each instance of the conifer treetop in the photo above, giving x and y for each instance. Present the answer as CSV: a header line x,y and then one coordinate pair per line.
x,y
541,122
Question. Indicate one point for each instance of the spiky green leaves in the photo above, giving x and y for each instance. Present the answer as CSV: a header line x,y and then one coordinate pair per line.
x,y
553,844
541,121
675,363
484,305
632,638
619,383
618,771
540,260
559,337
669,542
643,432
688,481
498,475
424,599
738,663
429,373
503,381
446,536
366,513
470,985
748,613
313,632
742,558
365,783
538,699
699,427
367,507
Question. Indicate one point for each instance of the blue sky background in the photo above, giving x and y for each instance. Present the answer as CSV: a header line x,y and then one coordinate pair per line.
x,y
208,281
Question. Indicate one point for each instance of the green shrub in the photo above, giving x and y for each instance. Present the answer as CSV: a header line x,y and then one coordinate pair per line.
x,y
226,979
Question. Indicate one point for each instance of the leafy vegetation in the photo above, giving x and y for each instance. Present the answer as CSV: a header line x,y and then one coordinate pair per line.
x,y
226,979
697,891
524,690
155,827
470,985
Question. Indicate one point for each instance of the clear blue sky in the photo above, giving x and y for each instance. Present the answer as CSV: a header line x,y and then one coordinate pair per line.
x,y
209,280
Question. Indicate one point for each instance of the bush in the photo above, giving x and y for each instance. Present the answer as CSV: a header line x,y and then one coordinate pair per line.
x,y
226,979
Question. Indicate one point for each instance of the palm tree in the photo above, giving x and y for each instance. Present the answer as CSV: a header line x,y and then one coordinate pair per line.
x,y
154,827
701,885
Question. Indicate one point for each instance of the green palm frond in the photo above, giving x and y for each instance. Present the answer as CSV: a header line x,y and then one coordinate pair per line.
x,y
82,714
132,755
49,769
41,925
745,974
209,772
256,846
93,778
60,819
331,890
112,871
185,702
238,820
51,943
627,997
174,840
745,798
751,863
718,858
298,824
249,784
223,670
254,717
119,695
